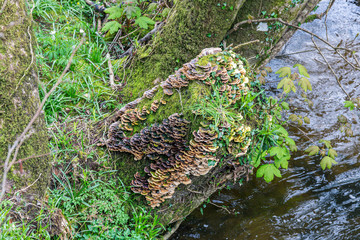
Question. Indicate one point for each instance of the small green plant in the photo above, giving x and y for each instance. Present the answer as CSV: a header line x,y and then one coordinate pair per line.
x,y
327,159
128,10
10,229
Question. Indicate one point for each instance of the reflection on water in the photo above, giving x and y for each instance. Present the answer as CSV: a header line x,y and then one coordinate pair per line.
x,y
307,203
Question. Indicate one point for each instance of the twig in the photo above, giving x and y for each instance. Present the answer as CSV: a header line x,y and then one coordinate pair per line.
x,y
27,187
332,70
111,74
98,24
244,44
304,133
224,208
19,140
182,107
27,158
173,230
287,54
237,25
142,40
319,16
31,63
3,7
118,34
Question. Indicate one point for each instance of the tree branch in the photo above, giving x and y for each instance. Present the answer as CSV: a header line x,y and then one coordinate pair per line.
x,y
332,70
237,25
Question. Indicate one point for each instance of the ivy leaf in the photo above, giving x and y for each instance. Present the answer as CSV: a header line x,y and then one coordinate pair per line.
x,y
285,105
283,162
326,143
144,22
350,105
305,84
284,71
268,171
332,153
312,150
302,70
327,162
114,12
112,26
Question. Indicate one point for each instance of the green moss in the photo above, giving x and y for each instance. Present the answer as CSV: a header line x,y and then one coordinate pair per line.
x,y
181,39
19,100
311,18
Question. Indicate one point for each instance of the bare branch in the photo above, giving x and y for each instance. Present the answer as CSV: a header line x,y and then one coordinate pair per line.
x,y
237,25
332,70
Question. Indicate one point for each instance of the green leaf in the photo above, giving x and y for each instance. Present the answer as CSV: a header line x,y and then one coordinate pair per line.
x,y
312,150
349,132
305,84
293,117
278,151
143,22
268,171
332,153
287,84
327,162
350,105
342,119
152,7
132,11
284,71
112,26
114,12
165,12
283,162
326,143
302,70
285,105
307,120
300,121
280,131
291,143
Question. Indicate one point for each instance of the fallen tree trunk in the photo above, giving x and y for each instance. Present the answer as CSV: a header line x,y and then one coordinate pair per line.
x,y
192,26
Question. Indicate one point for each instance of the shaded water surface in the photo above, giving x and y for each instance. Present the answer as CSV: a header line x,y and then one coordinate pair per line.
x,y
307,203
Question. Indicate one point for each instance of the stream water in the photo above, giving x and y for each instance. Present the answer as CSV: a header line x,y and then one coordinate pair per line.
x,y
307,202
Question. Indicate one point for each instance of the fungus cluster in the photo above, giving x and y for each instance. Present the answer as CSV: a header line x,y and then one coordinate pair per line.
x,y
167,173
174,159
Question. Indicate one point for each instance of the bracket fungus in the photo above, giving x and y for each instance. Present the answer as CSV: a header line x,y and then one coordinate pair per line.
x,y
173,158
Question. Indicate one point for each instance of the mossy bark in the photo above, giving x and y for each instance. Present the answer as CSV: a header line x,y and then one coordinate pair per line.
x,y
191,27
19,100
